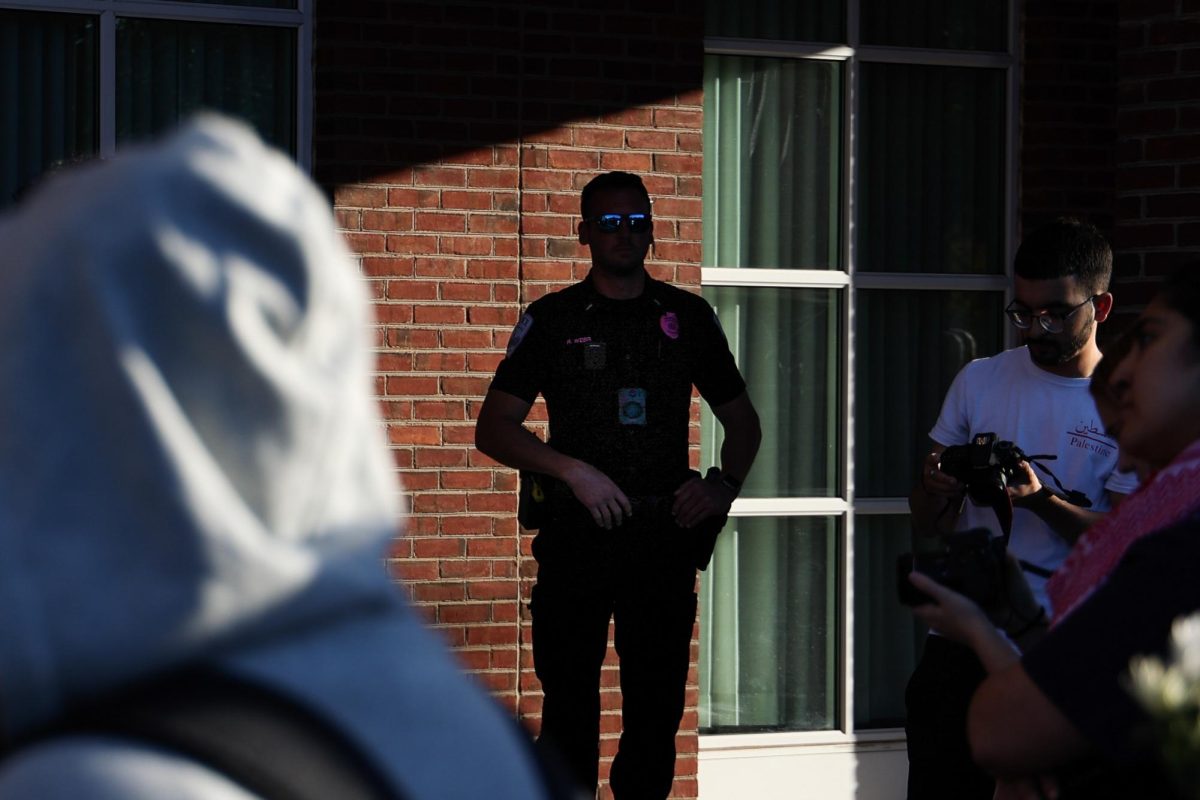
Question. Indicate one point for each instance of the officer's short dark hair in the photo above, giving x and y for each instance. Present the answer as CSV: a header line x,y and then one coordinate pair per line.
x,y
1067,247
609,181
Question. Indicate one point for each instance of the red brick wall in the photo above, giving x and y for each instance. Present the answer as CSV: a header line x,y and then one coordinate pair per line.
x,y
1158,152
1110,130
454,139
1068,127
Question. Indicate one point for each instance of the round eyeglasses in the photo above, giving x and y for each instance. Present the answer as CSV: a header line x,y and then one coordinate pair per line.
x,y
1051,321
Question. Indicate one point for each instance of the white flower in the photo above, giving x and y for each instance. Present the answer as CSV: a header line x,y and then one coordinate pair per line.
x,y
1170,693
1149,676
1185,646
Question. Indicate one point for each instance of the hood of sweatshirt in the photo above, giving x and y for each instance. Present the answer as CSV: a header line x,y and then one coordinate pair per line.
x,y
191,457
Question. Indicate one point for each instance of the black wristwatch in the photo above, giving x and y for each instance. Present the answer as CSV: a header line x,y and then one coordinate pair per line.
x,y
725,479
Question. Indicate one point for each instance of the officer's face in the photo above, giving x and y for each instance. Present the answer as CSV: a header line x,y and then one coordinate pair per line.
x,y
619,252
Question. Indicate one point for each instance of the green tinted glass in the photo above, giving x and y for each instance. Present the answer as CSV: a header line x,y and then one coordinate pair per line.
x,y
257,3
887,638
813,21
48,95
931,184
911,344
168,69
788,346
936,24
769,627
772,166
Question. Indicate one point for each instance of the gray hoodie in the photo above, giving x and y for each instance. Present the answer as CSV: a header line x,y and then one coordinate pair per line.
x,y
192,466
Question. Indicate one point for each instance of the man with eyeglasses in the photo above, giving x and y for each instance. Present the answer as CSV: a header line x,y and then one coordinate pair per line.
x,y
1037,397
625,522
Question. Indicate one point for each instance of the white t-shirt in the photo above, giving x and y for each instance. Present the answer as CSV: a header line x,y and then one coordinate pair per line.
x,y
1041,413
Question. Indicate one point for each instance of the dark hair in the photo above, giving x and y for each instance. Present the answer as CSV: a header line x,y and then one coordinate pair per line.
x,y
1066,248
1181,292
607,182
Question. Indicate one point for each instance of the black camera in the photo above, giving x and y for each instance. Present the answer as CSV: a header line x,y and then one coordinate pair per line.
x,y
985,467
971,563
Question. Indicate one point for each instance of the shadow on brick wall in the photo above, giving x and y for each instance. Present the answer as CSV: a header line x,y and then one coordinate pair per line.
x,y
399,84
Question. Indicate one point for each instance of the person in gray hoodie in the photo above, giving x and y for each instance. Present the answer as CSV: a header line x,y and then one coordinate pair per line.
x,y
193,471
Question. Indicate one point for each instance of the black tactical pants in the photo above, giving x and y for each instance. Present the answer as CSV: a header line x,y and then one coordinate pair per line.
x,y
641,578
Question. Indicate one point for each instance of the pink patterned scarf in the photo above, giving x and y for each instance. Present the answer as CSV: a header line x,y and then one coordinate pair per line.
x,y
1166,498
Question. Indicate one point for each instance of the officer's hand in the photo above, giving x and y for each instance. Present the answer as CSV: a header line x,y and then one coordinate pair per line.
x,y
936,482
698,499
603,499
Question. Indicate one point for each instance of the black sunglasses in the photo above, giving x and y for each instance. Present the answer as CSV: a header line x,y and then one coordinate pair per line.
x,y
611,223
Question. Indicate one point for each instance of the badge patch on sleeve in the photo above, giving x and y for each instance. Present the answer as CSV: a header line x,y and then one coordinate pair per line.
x,y
518,334
631,406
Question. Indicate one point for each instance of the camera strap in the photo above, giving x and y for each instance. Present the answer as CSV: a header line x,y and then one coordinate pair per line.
x,y
1004,514
1072,496
1034,569
1004,511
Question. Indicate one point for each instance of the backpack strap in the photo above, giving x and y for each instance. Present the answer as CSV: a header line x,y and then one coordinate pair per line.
x,y
268,743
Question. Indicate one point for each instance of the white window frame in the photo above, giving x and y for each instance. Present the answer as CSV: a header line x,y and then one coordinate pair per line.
x,y
846,739
107,11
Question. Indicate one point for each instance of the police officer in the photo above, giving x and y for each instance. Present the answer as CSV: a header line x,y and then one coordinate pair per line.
x,y
616,356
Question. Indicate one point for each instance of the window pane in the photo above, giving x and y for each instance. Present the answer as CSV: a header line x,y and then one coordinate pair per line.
x,y
911,344
769,627
48,91
258,3
168,69
938,24
772,145
813,21
887,638
931,189
788,345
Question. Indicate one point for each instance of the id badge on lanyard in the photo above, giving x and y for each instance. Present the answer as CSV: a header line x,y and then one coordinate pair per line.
x,y
631,406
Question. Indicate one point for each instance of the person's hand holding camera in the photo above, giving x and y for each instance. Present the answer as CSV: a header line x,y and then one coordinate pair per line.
x,y
951,614
961,619
936,482
1025,487
958,617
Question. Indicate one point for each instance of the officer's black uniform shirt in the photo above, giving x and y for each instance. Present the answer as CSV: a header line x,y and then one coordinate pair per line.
x,y
617,376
